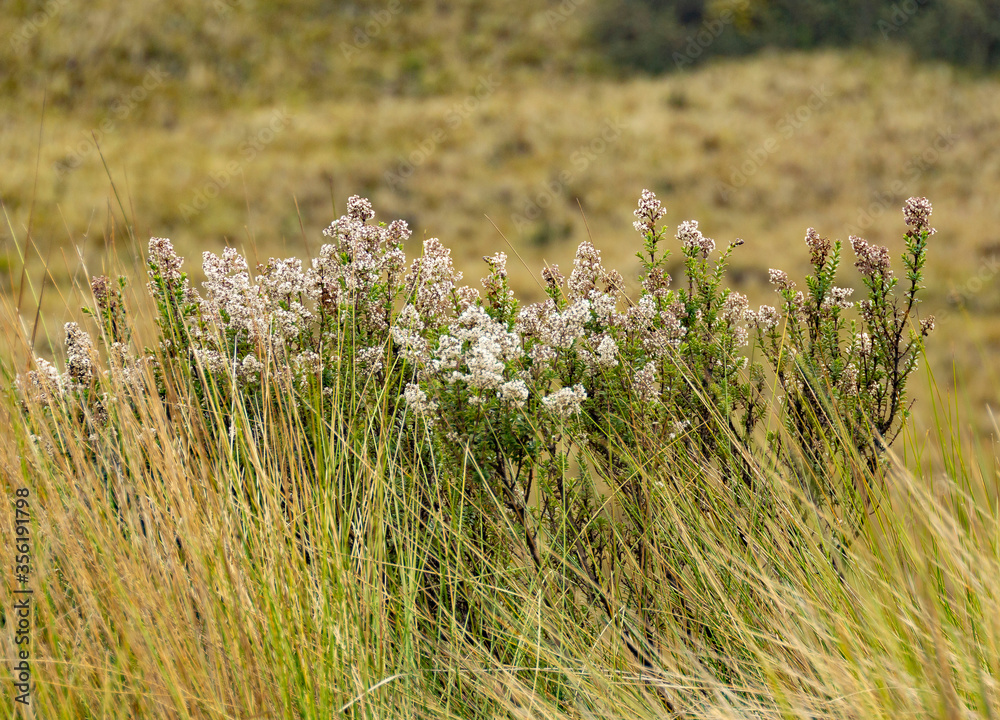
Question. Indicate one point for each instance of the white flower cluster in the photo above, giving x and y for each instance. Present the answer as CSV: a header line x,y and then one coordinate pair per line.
x,y
434,280
552,327
46,385
678,428
408,334
917,213
347,270
79,355
657,283
644,383
849,380
554,279
736,311
650,210
284,286
369,359
232,301
211,360
166,261
692,239
307,363
660,330
479,346
42,385
360,208
873,260
587,271
514,393
765,319
837,299
276,315
250,369
779,278
486,355
417,400
734,307
267,314
861,346
604,356
565,403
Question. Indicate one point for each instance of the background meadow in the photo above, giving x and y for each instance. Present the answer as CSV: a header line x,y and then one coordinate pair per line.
x,y
242,122
526,128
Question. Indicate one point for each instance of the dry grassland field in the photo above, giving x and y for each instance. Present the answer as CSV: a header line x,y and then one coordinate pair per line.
x,y
494,127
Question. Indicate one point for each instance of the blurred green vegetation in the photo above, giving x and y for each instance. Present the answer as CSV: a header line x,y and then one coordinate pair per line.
x,y
661,35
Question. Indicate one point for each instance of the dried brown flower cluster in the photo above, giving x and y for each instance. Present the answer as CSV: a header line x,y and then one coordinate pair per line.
x,y
873,260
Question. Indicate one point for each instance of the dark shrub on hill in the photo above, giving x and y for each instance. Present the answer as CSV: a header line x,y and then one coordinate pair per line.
x,y
660,35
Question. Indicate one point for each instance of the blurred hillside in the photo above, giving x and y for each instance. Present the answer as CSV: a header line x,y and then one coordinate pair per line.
x,y
225,54
250,123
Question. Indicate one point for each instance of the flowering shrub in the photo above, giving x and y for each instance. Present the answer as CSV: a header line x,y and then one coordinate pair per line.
x,y
848,373
500,399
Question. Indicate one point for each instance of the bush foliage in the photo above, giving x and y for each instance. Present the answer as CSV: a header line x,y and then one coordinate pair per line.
x,y
694,370
517,438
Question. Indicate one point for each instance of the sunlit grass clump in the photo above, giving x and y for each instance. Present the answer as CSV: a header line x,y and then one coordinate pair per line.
x,y
356,487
